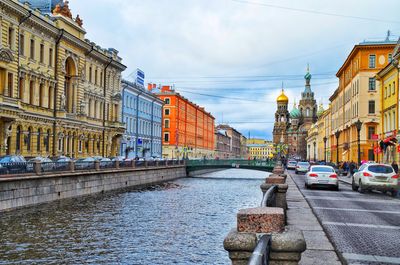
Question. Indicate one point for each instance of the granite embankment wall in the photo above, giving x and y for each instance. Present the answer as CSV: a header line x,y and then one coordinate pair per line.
x,y
21,191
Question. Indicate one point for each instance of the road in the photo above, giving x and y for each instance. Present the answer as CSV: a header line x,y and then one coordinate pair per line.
x,y
364,228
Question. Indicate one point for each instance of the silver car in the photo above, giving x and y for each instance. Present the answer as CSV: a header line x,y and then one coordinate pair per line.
x,y
372,176
302,167
291,164
322,176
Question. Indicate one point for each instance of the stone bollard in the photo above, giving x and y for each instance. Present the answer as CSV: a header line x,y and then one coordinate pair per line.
x,y
261,220
71,166
117,164
275,179
157,163
133,163
278,170
240,246
286,248
166,163
280,194
146,163
37,167
97,165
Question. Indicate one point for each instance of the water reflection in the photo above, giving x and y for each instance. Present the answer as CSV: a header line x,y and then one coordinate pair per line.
x,y
182,223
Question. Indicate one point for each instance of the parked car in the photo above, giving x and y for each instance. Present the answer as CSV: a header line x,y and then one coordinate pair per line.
x,y
118,158
291,164
3,170
46,164
13,163
320,175
302,167
375,177
85,163
62,163
105,162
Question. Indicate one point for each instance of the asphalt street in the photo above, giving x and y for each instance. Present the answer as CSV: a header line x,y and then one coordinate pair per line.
x,y
364,228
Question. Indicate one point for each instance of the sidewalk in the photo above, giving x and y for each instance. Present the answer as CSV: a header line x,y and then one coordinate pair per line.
x,y
300,216
345,179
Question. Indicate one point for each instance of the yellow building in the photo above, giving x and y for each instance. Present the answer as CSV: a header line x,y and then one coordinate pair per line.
x,y
388,84
357,97
59,92
260,148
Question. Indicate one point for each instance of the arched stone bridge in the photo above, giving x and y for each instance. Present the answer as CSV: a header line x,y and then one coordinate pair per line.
x,y
262,165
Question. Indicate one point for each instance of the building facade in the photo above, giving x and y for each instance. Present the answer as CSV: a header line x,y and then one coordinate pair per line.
x,y
142,115
236,140
187,129
60,94
358,98
260,149
222,144
388,85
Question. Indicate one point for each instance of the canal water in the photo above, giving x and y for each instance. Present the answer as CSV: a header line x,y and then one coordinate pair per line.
x,y
182,222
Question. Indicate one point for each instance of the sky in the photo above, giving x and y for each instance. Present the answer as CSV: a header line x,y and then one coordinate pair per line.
x,y
234,56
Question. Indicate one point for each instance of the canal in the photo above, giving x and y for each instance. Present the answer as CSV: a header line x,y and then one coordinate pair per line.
x,y
182,222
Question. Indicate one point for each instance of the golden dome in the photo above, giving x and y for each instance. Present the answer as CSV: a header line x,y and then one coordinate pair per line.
x,y
282,98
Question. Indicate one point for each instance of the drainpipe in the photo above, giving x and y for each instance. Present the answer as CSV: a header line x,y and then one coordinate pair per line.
x,y
137,122
152,129
56,92
104,107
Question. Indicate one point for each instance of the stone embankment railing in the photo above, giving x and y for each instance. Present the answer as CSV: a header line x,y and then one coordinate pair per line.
x,y
284,245
43,168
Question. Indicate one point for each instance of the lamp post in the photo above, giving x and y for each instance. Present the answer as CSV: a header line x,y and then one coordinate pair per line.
x,y
337,134
325,139
358,125
315,151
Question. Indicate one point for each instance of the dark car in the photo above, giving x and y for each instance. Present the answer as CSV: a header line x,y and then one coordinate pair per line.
x,y
14,164
62,163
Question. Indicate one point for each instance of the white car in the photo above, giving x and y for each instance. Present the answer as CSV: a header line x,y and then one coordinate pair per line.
x,y
302,167
375,177
322,176
291,164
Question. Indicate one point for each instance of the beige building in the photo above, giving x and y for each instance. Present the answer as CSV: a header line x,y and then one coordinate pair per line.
x,y
60,94
357,97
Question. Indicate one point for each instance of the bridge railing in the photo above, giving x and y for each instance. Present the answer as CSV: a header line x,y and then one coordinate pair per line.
x,y
260,254
231,162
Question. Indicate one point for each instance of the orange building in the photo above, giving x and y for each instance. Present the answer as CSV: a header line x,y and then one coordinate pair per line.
x,y
358,98
187,129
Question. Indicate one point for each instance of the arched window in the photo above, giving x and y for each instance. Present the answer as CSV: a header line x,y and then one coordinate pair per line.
x,y
50,99
41,95
47,141
308,112
32,92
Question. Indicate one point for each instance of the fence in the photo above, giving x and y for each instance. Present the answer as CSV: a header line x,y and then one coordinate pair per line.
x,y
38,168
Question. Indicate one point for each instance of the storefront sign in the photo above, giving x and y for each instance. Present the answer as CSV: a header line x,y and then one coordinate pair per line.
x,y
398,149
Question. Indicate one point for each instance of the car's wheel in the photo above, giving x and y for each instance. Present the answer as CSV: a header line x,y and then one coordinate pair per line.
x,y
305,185
296,172
336,188
353,185
361,187
394,193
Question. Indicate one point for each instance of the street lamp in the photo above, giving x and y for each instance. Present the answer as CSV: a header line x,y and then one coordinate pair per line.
x,y
315,151
337,134
358,125
325,139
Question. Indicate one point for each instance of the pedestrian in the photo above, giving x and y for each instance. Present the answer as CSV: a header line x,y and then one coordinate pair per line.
x,y
395,167
352,167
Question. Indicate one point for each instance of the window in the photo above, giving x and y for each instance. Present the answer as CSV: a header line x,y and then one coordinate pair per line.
x,y
95,77
41,95
80,146
41,53
372,84
371,107
389,90
28,139
167,101
32,92
50,57
166,137
390,57
372,59
11,38
38,141
21,44
385,93
166,123
90,74
371,131
166,111
47,141
32,52
10,80
393,88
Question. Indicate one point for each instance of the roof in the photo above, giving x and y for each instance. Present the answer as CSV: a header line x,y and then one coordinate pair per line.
x,y
282,97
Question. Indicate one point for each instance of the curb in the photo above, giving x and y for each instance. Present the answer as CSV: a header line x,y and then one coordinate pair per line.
x,y
339,254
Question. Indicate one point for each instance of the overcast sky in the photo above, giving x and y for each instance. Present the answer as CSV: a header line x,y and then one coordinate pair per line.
x,y
231,56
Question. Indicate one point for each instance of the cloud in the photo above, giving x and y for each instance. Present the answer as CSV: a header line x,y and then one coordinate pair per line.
x,y
174,41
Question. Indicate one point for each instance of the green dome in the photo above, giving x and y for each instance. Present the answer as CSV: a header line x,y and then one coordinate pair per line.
x,y
295,113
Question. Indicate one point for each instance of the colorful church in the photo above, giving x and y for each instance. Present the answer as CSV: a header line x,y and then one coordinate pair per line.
x,y
291,128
